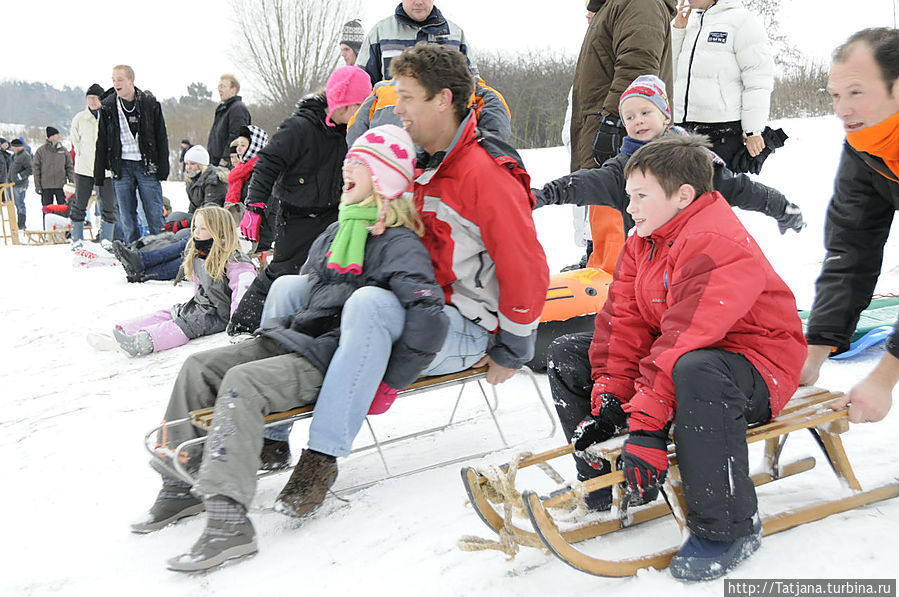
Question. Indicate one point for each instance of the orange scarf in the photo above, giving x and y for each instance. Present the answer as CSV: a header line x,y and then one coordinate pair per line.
x,y
881,140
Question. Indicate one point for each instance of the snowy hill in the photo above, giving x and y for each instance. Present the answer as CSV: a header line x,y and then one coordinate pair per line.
x,y
75,474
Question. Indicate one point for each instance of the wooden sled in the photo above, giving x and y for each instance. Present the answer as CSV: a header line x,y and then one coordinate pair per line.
x,y
46,237
9,228
202,419
806,410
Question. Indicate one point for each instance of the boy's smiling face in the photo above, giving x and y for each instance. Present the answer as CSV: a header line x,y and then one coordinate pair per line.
x,y
649,206
642,119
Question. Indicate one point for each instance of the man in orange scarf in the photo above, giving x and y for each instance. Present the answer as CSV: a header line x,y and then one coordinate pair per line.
x,y
864,84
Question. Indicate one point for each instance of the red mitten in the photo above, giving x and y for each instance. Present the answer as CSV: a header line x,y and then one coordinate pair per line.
x,y
384,397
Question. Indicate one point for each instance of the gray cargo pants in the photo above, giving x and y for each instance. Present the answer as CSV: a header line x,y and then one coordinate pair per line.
x,y
245,382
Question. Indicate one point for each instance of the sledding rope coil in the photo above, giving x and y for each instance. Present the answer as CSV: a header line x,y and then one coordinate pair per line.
x,y
499,488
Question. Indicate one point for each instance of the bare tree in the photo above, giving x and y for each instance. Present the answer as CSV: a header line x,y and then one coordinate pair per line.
x,y
785,54
289,47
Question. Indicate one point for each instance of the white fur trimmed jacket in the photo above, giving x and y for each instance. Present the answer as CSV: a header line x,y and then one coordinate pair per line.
x,y
723,69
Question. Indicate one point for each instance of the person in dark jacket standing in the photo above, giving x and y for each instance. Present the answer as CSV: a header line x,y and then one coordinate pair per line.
x,y
132,143
300,168
625,39
864,84
5,160
230,115
52,167
19,171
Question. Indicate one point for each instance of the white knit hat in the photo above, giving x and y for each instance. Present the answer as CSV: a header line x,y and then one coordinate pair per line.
x,y
197,154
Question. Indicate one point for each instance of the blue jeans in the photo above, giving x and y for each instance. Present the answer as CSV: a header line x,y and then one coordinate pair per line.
x,y
372,320
131,181
163,264
18,195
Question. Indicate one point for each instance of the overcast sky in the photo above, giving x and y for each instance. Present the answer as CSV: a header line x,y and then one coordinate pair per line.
x,y
171,43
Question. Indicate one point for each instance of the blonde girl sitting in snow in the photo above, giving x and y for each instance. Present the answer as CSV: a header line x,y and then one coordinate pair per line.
x,y
221,274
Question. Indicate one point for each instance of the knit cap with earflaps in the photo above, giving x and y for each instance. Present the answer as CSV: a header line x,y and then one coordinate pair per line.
x,y
388,154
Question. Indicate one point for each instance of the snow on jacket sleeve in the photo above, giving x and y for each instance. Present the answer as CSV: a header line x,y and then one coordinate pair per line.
x,y
713,282
410,276
240,275
757,73
510,237
741,191
858,224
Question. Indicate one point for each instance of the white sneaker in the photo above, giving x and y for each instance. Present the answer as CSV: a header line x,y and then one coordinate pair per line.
x,y
76,245
102,342
106,244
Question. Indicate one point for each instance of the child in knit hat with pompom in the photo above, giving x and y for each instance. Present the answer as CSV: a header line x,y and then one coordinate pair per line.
x,y
375,248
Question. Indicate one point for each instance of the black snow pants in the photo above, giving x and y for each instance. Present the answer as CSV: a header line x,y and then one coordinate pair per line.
x,y
294,235
718,393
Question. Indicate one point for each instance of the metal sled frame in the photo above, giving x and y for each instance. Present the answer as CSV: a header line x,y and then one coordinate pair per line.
x,y
807,410
203,419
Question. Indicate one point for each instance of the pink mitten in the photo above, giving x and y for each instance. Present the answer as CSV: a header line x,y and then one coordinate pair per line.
x,y
384,397
252,218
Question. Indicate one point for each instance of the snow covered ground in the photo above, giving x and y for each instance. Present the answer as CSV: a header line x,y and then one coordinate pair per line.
x,y
74,471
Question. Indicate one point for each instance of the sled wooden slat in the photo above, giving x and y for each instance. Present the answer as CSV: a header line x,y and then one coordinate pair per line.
x,y
162,451
808,409
8,218
202,418
45,237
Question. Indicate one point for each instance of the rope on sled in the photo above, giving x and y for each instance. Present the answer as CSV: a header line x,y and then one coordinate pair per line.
x,y
499,488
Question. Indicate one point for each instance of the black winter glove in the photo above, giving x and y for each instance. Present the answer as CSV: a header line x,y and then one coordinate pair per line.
x,y
645,459
790,219
608,138
610,421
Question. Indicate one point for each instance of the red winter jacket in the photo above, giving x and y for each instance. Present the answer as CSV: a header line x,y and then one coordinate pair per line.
x,y
481,237
238,178
699,281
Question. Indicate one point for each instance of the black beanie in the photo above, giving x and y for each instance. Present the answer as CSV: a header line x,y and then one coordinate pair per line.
x,y
94,89
16,143
51,131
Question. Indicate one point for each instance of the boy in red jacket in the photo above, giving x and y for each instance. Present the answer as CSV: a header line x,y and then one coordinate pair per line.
x,y
698,331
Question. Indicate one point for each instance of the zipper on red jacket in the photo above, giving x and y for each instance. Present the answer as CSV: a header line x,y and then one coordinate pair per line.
x,y
652,248
690,66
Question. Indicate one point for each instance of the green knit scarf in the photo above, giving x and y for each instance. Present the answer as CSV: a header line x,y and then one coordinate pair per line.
x,y
348,247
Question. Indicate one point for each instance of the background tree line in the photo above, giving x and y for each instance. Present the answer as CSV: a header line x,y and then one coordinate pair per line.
x,y
289,47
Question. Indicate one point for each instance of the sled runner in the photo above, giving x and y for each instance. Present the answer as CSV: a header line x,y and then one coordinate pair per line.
x,y
181,466
806,410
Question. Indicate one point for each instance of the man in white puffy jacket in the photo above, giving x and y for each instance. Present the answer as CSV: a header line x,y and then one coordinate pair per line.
x,y
724,74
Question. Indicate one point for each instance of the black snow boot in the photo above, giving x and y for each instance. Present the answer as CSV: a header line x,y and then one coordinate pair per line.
x,y
275,454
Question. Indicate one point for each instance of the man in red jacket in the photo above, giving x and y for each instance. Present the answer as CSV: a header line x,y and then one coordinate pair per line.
x,y
475,201
698,331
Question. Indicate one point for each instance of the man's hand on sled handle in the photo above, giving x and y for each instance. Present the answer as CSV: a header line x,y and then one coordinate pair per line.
x,y
870,399
496,374
816,356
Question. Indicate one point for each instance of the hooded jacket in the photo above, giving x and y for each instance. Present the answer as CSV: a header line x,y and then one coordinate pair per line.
x,y
301,164
723,67
699,281
625,39
206,188
476,206
152,137
395,261
20,168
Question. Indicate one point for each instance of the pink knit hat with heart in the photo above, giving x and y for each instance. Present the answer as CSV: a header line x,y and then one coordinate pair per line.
x,y
346,86
389,154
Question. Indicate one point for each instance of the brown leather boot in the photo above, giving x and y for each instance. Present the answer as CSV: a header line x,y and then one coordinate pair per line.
x,y
305,491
